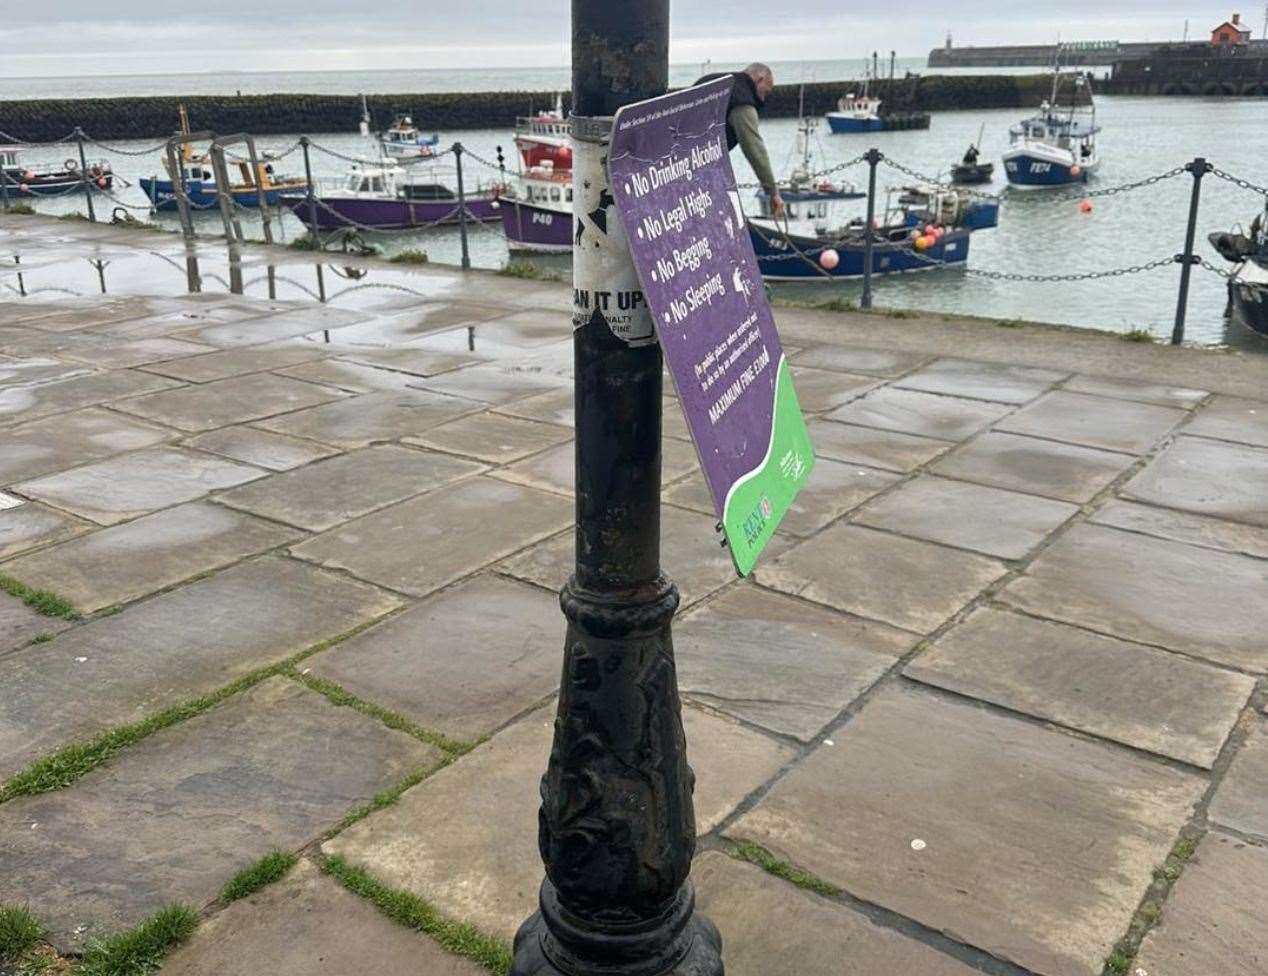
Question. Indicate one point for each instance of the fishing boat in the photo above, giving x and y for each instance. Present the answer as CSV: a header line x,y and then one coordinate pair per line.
x,y
857,113
1248,286
947,206
1057,146
403,140
544,138
819,237
971,170
537,210
390,196
199,180
25,181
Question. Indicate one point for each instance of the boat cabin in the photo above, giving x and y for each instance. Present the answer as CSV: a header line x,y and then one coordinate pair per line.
x,y
860,106
1049,129
9,156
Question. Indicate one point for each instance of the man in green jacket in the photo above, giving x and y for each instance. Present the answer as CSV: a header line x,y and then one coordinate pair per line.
x,y
749,89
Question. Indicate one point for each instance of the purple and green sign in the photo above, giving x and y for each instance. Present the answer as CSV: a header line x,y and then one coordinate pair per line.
x,y
671,177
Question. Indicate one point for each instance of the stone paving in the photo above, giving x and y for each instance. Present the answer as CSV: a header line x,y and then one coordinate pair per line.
x,y
994,701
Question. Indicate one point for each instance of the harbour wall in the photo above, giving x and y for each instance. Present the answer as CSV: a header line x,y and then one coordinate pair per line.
x,y
1077,55
44,120
1193,69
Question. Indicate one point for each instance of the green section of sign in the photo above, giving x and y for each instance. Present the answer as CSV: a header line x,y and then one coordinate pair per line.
x,y
758,502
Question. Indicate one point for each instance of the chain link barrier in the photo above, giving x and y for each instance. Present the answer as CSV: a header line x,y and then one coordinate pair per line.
x,y
1215,269
1238,182
124,152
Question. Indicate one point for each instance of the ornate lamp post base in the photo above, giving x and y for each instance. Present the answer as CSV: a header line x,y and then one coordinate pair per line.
x,y
680,943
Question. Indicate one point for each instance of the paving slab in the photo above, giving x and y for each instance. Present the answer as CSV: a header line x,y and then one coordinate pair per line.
x,y
925,414
235,362
692,493
283,325
19,404
71,439
887,449
463,662
1207,477
1216,920
132,560
421,544
98,310
232,401
363,420
492,385
833,489
29,525
1110,424
466,838
492,437
1130,693
819,390
417,362
556,469
25,369
852,359
19,623
308,924
353,377
993,521
982,381
690,555
1229,418
176,815
1241,801
1200,601
1034,465
262,448
770,926
112,354
128,485
1160,394
1034,845
177,646
779,662
556,407
327,493
1196,530
910,584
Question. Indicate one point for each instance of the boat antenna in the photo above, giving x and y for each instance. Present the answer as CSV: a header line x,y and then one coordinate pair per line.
x,y
365,117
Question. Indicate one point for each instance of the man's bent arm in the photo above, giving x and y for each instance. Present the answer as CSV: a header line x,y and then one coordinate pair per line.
x,y
744,120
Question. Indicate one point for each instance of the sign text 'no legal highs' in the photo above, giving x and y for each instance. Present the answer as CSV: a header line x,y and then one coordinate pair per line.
x,y
673,185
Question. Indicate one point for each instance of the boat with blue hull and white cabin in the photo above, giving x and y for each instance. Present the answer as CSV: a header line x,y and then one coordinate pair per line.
x,y
1057,146
823,235
856,113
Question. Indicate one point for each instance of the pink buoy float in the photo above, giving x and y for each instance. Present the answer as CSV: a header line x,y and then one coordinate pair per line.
x,y
829,259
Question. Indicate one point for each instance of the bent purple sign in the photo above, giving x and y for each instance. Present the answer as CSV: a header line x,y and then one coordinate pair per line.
x,y
671,178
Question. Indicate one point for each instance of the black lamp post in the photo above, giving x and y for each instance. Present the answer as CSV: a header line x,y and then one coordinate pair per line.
x,y
617,826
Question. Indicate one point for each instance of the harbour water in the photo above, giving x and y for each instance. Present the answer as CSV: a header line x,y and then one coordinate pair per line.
x,y
1042,233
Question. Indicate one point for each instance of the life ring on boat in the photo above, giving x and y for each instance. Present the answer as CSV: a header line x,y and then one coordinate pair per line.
x,y
70,165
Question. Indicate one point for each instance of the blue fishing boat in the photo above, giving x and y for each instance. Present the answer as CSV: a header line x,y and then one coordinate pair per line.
x,y
823,234
1057,146
856,113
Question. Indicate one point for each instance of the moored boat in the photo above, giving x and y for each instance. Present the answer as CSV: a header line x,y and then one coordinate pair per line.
x,y
200,185
25,181
544,138
388,196
971,170
1248,284
537,210
403,140
1057,146
856,113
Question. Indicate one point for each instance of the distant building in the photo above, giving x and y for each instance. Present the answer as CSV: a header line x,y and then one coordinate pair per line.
x,y
1231,33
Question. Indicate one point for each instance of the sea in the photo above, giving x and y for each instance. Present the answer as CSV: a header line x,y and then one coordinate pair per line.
x,y
1041,234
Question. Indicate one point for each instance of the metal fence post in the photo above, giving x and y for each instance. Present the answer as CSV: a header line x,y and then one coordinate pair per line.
x,y
261,191
4,188
1199,168
83,174
873,158
312,199
462,209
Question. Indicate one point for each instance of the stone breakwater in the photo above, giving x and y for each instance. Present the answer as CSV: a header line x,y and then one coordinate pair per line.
x,y
43,120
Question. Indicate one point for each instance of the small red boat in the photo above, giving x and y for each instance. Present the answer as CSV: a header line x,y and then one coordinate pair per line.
x,y
23,181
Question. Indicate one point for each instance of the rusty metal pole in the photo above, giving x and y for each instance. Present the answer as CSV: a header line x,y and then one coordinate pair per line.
x,y
1198,168
617,825
83,174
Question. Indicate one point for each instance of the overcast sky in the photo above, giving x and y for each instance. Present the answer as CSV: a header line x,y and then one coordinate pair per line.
x,y
64,37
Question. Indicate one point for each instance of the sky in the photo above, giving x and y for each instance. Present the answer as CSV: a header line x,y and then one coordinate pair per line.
x,y
85,37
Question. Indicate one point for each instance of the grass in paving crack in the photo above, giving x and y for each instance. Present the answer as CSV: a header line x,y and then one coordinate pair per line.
x,y
140,950
41,601
412,256
25,209
61,768
337,695
20,932
1137,335
271,867
768,862
408,909
1119,962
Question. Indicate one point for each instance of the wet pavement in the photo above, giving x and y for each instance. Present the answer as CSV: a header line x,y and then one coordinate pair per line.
x,y
1004,655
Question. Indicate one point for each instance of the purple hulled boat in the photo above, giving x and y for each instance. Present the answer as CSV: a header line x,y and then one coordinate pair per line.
x,y
537,210
391,197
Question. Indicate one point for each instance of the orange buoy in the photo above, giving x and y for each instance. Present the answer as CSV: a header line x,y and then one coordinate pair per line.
x,y
101,182
1086,206
922,243
1076,170
829,259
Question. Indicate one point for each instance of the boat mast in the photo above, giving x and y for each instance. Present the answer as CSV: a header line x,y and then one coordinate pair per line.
x,y
365,117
